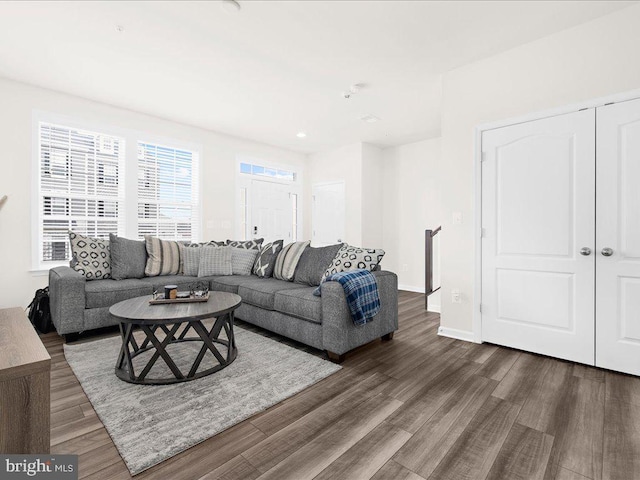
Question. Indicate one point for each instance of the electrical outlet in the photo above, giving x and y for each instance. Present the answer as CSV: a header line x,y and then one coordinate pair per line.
x,y
456,296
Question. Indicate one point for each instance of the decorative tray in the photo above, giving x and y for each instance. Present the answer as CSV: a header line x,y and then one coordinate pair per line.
x,y
183,297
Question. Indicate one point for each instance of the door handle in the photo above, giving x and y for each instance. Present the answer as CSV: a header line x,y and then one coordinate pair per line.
x,y
586,251
607,252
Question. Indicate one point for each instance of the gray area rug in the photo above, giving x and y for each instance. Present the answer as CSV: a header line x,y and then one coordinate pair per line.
x,y
149,424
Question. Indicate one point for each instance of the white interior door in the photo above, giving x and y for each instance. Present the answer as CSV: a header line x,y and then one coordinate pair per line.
x,y
538,207
328,214
618,229
271,211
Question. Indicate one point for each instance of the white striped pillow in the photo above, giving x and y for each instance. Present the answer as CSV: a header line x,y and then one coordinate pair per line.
x,y
288,259
163,257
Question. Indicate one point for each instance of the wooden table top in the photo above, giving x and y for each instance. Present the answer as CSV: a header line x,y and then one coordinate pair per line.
x,y
21,351
138,310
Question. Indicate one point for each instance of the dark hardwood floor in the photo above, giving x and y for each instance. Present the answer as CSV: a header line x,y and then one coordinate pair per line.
x,y
417,407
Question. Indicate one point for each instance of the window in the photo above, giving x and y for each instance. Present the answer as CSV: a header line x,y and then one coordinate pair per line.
x,y
80,187
82,175
250,169
294,217
168,198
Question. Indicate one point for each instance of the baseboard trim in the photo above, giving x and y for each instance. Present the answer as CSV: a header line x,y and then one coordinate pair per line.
x,y
411,288
457,334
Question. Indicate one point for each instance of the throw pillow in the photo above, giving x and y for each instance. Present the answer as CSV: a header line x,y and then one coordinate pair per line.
x,y
128,257
313,263
210,243
194,257
352,258
190,256
90,256
287,260
266,261
163,257
215,261
242,260
246,244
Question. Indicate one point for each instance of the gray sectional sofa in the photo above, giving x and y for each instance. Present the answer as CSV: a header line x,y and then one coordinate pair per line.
x,y
287,308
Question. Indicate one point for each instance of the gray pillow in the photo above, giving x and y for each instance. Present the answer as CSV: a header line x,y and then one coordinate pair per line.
x,y
266,261
214,261
242,260
190,257
128,257
246,244
313,263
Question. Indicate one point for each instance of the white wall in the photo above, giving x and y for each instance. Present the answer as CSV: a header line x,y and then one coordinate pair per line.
x,y
18,101
346,164
372,203
411,204
589,61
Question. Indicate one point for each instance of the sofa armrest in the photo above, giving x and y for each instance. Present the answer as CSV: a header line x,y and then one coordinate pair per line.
x,y
339,334
67,299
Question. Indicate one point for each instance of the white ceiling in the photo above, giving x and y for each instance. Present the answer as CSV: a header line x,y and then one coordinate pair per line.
x,y
274,68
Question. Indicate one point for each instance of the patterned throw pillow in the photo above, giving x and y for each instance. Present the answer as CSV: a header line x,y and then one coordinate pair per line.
x,y
215,261
266,261
190,260
90,256
163,257
246,244
288,259
352,258
191,250
242,260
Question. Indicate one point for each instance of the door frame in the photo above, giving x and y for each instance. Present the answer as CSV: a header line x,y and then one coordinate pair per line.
x,y
244,180
322,184
476,333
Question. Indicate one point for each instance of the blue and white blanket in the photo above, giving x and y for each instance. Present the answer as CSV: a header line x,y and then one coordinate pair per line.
x,y
361,290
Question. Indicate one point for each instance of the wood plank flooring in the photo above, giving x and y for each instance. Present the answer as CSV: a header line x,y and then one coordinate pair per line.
x,y
417,408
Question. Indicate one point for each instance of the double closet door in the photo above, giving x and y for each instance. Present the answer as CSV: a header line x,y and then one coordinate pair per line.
x,y
561,236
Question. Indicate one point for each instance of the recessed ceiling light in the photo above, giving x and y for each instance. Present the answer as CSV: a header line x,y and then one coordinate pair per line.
x,y
231,6
301,135
369,118
119,28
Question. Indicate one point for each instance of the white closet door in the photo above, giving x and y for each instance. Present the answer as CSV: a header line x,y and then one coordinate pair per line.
x,y
618,229
538,206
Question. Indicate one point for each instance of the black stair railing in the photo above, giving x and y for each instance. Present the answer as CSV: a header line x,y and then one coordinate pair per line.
x,y
428,265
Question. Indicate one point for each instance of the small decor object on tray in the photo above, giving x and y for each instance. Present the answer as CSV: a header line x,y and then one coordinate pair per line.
x,y
196,293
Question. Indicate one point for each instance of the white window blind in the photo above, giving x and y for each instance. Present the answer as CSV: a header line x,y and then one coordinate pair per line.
x,y
168,193
80,187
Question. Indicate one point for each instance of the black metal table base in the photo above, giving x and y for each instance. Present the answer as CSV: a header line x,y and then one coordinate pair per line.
x,y
209,338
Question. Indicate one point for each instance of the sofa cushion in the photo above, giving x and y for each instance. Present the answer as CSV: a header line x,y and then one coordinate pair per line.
x,y
313,263
128,257
184,282
163,257
230,283
261,292
301,303
107,292
90,256
242,260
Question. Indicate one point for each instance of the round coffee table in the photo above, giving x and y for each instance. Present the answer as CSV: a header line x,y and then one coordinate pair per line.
x,y
136,312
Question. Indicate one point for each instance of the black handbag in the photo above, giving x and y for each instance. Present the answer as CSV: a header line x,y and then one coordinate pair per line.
x,y
39,311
